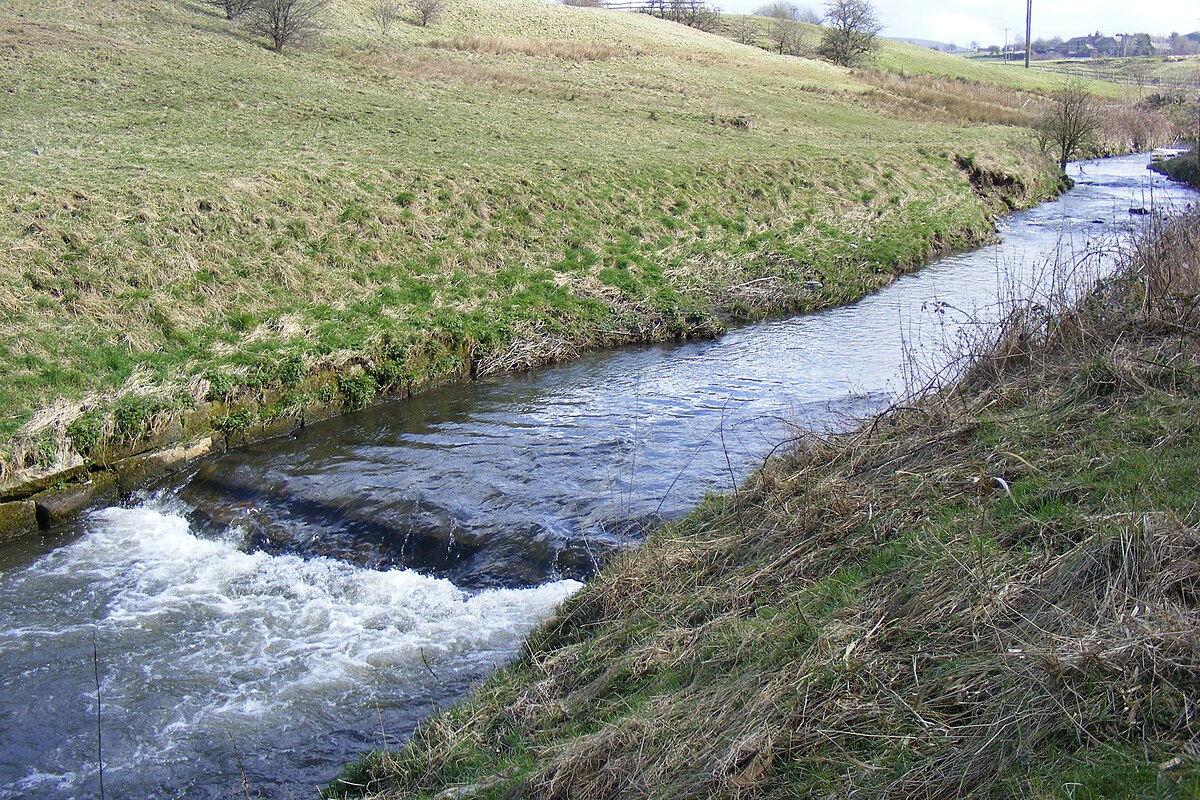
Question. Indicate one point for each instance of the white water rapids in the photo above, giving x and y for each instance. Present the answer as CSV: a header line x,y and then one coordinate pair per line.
x,y
203,641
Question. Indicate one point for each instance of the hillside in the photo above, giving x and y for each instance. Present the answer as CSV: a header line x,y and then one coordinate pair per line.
x,y
986,593
203,234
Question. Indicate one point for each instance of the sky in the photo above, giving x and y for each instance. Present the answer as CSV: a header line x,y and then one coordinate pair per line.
x,y
984,21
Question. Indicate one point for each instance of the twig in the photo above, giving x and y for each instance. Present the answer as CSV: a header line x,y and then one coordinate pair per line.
x,y
99,721
237,759
425,661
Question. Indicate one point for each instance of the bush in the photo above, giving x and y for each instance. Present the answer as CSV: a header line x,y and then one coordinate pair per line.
x,y
86,433
428,11
288,22
133,414
385,14
233,8
220,386
358,390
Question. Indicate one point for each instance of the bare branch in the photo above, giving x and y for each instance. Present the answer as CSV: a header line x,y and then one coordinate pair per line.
x,y
853,31
288,22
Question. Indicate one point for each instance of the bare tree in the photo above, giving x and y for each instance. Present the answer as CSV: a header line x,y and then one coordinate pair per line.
x,y
694,13
744,30
781,9
428,11
1068,124
288,22
786,36
806,14
853,31
385,14
778,10
233,8
782,31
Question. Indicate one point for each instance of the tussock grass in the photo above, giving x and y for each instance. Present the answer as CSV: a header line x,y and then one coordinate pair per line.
x,y
540,48
988,592
955,100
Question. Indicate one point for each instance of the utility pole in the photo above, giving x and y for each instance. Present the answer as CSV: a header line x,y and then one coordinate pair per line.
x,y
1028,29
1005,51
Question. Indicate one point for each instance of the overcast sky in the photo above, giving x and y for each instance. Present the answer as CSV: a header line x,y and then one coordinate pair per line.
x,y
984,21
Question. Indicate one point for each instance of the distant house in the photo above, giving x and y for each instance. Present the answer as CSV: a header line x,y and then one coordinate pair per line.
x,y
1080,46
1121,45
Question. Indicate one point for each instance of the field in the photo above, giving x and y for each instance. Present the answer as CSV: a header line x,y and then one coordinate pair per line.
x,y
204,234
1139,76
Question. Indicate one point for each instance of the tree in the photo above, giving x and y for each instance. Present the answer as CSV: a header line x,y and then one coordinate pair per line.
x,y
428,11
784,35
693,13
385,14
745,31
1068,124
784,10
809,16
778,10
233,8
288,22
853,31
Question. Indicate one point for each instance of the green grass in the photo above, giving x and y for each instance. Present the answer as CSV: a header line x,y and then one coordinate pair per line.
x,y
182,203
1185,168
1144,75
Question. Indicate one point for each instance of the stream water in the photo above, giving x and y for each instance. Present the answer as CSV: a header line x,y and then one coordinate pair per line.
x,y
274,612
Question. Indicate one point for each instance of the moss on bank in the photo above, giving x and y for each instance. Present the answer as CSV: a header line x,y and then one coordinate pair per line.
x,y
991,592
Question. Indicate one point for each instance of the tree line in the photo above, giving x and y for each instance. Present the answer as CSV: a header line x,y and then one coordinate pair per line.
x,y
850,35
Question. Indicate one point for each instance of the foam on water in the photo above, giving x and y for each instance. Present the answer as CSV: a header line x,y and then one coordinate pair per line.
x,y
209,641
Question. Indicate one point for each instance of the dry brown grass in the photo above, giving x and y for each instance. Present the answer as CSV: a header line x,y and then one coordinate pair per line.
x,y
930,96
427,68
537,48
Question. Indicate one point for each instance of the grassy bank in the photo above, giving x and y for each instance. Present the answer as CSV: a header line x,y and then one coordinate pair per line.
x,y
1185,168
204,234
990,592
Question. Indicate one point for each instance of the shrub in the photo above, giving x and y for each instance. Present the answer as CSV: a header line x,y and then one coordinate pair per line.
x,y
428,11
288,22
132,415
358,390
233,8
86,433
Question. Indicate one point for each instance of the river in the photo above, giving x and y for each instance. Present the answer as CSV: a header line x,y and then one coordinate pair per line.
x,y
271,613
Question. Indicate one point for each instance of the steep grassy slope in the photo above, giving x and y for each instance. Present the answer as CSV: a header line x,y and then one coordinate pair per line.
x,y
990,593
200,232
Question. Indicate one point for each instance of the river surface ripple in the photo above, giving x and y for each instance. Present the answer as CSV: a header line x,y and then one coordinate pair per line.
x,y
280,609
